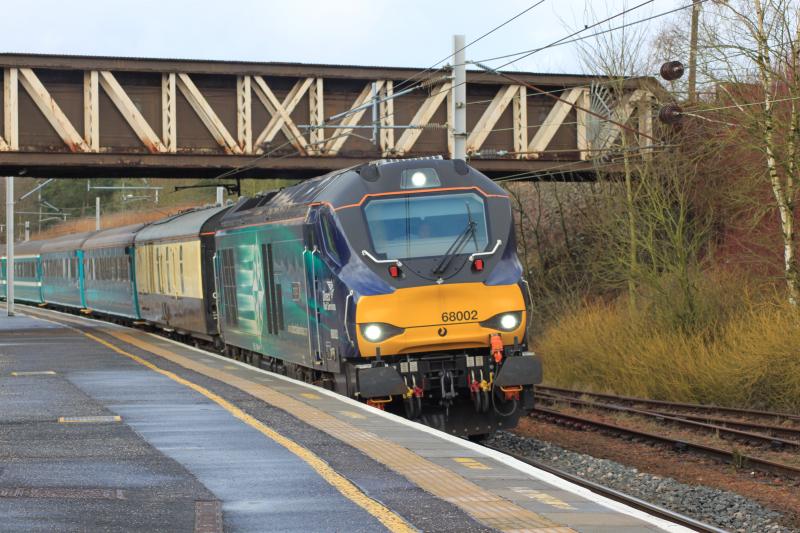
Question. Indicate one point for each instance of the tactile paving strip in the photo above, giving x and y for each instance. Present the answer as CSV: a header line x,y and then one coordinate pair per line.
x,y
484,506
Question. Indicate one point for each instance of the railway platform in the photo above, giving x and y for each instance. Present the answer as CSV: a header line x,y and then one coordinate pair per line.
x,y
108,428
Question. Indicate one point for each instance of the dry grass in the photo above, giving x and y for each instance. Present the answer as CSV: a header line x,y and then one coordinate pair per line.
x,y
749,358
112,220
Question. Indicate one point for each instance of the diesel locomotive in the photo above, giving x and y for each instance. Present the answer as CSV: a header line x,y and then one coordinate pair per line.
x,y
394,282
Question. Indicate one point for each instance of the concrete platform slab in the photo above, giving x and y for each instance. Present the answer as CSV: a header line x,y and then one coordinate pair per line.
x,y
434,481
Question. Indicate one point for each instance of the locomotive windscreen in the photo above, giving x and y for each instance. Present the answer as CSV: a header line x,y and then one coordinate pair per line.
x,y
426,226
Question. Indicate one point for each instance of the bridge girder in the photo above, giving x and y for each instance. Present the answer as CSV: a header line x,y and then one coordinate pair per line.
x,y
91,117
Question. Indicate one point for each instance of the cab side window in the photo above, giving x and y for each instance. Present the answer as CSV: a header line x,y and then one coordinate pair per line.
x,y
328,238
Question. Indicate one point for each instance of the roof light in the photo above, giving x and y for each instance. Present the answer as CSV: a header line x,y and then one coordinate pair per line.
x,y
419,178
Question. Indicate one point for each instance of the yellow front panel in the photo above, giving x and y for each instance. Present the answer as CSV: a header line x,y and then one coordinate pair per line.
x,y
422,311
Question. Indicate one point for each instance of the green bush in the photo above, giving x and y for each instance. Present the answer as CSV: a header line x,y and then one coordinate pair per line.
x,y
743,349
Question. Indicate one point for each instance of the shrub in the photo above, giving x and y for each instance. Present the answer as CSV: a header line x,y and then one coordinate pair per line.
x,y
744,349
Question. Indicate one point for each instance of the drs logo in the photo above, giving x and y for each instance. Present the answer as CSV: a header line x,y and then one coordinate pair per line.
x,y
459,316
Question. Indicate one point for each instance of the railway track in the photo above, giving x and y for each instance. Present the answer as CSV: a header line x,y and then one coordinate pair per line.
x,y
612,494
745,433
749,432
734,458
698,410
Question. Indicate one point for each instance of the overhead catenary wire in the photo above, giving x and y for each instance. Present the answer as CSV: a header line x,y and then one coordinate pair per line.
x,y
563,167
563,40
237,170
584,37
555,43
748,104
506,22
267,154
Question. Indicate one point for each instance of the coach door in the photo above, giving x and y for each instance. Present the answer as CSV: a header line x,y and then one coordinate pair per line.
x,y
312,264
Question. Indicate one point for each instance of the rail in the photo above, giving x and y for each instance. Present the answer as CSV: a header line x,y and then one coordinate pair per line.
x,y
677,420
737,459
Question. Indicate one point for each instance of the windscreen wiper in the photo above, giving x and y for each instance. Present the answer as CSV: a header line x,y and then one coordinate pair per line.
x,y
458,244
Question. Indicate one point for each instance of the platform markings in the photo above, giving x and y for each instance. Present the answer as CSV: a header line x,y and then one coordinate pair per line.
x,y
310,396
88,419
388,518
353,414
498,456
543,497
445,483
230,367
34,373
471,463
483,505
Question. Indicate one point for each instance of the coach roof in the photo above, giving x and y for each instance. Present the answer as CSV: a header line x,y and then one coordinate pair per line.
x,y
187,224
113,237
67,243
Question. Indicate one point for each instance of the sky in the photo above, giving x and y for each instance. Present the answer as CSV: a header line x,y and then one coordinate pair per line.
x,y
411,33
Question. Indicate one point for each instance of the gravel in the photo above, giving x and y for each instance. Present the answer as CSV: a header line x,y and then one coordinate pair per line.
x,y
723,509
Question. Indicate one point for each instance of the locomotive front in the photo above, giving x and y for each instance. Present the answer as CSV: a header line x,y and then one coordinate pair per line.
x,y
440,307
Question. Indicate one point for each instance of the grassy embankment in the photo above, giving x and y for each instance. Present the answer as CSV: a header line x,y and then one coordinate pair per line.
x,y
743,351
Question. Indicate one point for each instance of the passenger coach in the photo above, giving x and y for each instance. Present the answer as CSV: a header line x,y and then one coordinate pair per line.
x,y
62,271
27,272
174,272
109,266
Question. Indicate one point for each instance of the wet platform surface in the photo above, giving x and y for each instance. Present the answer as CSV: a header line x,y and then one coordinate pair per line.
x,y
108,428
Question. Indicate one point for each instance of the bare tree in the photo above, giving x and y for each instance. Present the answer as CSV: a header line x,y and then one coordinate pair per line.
x,y
751,56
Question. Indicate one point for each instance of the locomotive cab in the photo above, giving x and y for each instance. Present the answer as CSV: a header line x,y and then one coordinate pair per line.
x,y
440,308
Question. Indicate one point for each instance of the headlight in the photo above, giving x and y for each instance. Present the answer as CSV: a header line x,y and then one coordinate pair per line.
x,y
379,331
373,332
504,321
508,321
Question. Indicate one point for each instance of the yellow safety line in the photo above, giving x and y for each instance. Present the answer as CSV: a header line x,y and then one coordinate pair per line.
x,y
388,518
88,419
483,506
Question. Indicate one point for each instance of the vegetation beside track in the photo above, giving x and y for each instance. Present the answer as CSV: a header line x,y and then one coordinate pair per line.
x,y
674,274
744,354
